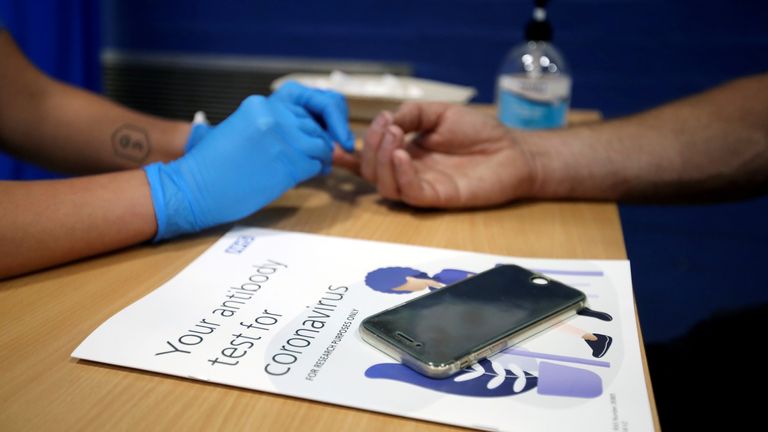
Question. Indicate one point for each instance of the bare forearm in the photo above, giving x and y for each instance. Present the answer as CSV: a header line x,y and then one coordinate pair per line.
x,y
72,130
700,146
92,134
44,223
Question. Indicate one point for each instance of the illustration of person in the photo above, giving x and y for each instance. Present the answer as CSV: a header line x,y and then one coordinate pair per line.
x,y
405,280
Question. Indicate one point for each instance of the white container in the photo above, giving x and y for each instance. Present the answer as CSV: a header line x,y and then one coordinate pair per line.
x,y
369,94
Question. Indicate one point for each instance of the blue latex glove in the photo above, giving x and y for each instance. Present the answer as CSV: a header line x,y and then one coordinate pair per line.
x,y
327,106
263,149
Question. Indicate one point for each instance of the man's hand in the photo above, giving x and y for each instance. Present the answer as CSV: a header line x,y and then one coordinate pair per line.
x,y
456,157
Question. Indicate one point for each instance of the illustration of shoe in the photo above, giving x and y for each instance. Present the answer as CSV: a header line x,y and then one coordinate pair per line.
x,y
603,316
599,346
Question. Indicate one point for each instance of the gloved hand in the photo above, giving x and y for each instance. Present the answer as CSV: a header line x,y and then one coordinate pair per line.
x,y
263,149
328,107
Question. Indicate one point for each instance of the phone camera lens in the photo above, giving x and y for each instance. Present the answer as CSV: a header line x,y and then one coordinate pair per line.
x,y
539,280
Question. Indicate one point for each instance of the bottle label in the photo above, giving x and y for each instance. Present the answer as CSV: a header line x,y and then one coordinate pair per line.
x,y
543,89
533,104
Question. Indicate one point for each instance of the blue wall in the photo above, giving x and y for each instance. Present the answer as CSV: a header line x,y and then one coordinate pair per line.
x,y
62,38
625,55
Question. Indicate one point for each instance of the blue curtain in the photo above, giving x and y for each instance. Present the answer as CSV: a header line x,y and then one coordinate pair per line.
x,y
61,37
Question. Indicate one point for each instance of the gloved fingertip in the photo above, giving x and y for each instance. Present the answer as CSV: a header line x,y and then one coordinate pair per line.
x,y
340,133
196,134
348,144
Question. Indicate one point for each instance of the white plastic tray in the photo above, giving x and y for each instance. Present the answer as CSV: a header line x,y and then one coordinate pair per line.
x,y
369,94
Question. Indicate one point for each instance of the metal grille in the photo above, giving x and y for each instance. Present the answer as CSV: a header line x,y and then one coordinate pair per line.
x,y
175,86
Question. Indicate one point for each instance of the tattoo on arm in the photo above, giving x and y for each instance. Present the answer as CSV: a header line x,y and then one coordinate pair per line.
x,y
131,142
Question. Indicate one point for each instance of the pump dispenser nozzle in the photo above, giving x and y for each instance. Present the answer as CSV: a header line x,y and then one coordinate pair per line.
x,y
538,28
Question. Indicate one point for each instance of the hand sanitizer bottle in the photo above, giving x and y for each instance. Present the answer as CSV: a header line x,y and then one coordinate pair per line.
x,y
533,90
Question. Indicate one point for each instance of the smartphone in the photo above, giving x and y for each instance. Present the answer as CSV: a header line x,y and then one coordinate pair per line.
x,y
442,332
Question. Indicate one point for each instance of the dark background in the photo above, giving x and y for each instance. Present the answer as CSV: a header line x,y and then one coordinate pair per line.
x,y
689,262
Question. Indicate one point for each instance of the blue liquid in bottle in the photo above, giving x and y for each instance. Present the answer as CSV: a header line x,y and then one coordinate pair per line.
x,y
533,89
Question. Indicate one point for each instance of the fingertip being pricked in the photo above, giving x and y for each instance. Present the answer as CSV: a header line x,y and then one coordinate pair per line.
x,y
385,180
397,136
371,143
381,121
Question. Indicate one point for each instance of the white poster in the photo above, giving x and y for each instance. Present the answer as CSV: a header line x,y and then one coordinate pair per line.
x,y
279,311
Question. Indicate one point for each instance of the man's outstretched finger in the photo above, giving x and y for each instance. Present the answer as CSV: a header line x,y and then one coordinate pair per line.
x,y
350,161
385,180
371,143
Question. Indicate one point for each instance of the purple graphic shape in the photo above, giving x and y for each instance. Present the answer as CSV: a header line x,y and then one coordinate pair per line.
x,y
473,387
555,357
561,380
386,279
570,272
451,276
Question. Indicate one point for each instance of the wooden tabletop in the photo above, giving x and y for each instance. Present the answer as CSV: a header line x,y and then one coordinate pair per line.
x,y
45,315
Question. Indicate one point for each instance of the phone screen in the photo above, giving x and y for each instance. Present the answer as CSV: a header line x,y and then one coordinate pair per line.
x,y
460,319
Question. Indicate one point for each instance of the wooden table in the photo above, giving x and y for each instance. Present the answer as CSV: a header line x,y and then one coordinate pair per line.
x,y
44,316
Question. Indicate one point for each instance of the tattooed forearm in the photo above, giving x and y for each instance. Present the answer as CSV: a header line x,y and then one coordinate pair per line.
x,y
131,142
